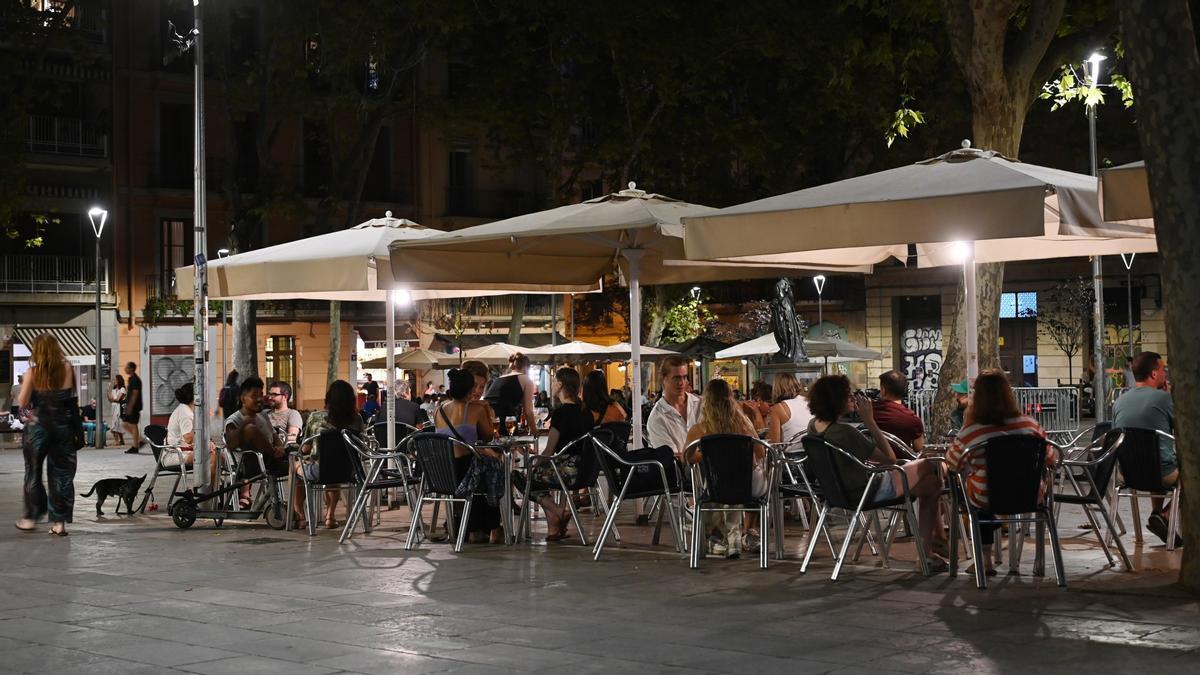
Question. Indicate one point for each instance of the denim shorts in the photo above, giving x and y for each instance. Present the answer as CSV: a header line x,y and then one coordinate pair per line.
x,y
312,472
885,491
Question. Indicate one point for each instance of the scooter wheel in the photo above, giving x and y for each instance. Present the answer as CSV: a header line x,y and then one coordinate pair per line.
x,y
183,513
276,515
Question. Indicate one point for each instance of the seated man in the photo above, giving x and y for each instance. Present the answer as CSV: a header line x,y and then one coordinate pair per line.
x,y
962,396
1148,405
246,430
893,416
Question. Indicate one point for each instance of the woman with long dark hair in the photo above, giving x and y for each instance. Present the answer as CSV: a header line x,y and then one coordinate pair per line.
x,y
116,396
598,401
341,402
569,421
470,421
49,402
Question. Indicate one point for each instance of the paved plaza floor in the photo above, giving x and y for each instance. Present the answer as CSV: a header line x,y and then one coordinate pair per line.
x,y
135,594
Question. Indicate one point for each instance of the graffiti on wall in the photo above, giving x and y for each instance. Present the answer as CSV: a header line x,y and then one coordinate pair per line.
x,y
921,356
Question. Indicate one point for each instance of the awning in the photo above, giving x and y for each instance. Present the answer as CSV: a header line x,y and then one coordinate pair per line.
x,y
75,342
527,340
378,332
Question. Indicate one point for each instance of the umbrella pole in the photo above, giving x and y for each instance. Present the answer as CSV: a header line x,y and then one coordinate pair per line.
x,y
634,256
390,329
972,302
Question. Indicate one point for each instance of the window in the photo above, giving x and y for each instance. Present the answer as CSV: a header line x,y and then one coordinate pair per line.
x,y
317,171
175,145
1018,305
176,239
379,176
281,360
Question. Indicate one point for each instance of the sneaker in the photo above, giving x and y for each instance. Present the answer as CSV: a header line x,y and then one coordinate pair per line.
x,y
733,554
1158,525
936,565
751,541
131,451
716,546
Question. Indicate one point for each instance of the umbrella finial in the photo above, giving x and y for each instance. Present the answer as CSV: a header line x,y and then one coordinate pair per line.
x,y
387,214
632,185
966,144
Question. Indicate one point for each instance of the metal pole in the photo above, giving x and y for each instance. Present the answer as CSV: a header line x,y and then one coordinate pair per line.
x,y
1099,386
390,336
99,386
1129,309
200,279
554,320
634,256
971,300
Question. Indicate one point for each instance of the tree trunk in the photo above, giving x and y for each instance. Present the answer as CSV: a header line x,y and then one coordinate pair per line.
x,y
658,317
245,339
518,319
335,342
1160,45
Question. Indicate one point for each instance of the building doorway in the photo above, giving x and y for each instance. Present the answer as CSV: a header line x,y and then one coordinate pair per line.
x,y
1018,338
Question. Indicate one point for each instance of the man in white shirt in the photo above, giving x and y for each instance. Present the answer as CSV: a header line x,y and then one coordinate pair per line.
x,y
676,410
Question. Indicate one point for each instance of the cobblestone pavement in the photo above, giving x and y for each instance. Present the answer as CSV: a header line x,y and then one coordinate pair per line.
x,y
135,594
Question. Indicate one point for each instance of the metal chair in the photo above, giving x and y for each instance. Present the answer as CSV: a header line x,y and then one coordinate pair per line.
x,y
823,460
336,470
387,469
587,476
1016,467
434,454
156,436
792,483
1090,473
1141,477
722,482
637,475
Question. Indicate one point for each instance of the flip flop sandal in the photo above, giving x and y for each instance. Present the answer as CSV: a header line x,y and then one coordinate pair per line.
x,y
244,503
59,533
31,528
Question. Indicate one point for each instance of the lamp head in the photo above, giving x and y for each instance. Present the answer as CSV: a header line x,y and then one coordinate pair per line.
x,y
222,252
1092,67
960,250
1127,258
402,298
98,216
819,282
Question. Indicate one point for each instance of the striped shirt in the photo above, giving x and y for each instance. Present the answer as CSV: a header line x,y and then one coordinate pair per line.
x,y
972,436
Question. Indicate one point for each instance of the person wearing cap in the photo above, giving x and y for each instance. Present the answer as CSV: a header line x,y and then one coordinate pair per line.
x,y
962,392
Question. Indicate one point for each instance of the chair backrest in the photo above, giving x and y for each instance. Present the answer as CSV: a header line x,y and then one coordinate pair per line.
x,y
379,432
1102,472
620,434
727,467
1139,460
1100,430
587,466
435,455
336,460
155,433
1015,467
824,467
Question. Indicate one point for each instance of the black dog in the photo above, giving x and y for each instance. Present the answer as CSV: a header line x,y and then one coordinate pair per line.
x,y
123,488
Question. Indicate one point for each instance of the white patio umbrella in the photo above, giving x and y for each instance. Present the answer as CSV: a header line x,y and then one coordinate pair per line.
x,y
968,196
347,264
414,359
577,245
578,349
623,349
493,355
835,350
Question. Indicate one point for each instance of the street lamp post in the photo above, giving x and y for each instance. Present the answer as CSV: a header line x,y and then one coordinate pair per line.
x,y
98,214
1092,72
1127,258
193,41
819,282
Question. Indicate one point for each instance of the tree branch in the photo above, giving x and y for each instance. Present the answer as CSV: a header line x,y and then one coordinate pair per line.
x,y
960,25
1030,46
1069,49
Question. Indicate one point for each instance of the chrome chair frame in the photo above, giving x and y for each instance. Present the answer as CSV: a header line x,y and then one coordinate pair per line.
x,y
377,460
180,471
1169,492
615,507
425,494
312,488
698,549
1093,499
560,455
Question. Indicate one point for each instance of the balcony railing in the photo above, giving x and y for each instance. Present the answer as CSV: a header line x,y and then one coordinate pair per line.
x,y
51,274
491,308
65,136
471,203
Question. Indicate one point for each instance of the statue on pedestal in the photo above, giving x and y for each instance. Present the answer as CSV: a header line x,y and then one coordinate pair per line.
x,y
789,330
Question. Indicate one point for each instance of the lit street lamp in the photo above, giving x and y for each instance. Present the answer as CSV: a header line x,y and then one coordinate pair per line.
x,y
1092,72
1127,258
819,282
99,217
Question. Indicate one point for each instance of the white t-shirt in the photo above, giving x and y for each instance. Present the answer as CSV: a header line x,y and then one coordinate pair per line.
x,y
181,422
667,427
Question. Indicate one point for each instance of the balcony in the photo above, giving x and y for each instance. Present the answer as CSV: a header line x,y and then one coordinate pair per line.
x,y
471,203
492,308
66,136
51,274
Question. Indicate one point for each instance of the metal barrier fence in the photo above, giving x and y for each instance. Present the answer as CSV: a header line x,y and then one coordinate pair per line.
x,y
1056,409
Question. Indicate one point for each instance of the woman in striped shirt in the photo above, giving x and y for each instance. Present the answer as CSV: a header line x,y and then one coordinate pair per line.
x,y
993,412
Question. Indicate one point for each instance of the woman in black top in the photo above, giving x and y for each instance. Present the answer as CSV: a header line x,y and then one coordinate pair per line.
x,y
511,394
569,421
51,412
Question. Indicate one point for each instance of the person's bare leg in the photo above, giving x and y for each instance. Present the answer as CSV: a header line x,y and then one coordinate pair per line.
x,y
331,501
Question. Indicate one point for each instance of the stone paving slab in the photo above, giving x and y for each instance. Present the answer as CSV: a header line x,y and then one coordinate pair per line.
x,y
137,595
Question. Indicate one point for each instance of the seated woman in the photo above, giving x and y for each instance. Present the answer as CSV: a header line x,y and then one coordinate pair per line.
x,y
339,413
569,421
181,433
831,398
721,414
598,401
470,420
992,412
789,416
